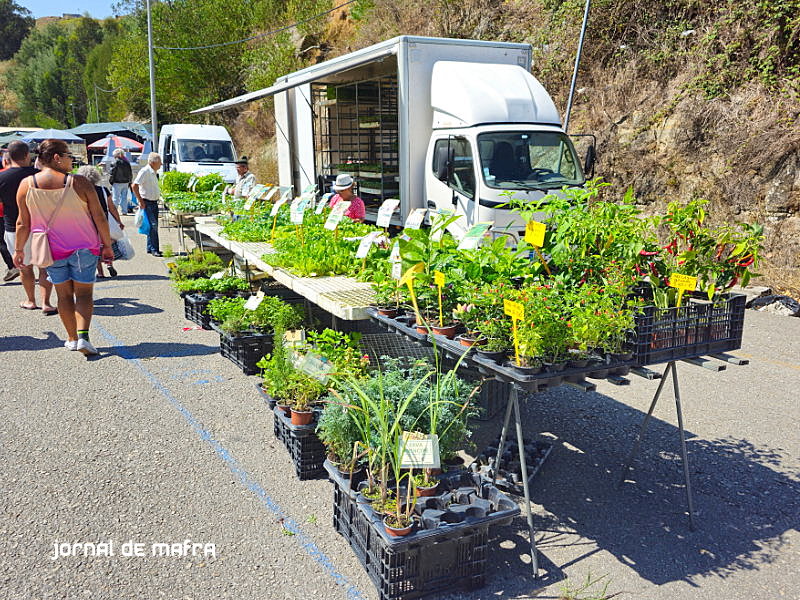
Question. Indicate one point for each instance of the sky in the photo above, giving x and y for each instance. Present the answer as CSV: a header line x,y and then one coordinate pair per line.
x,y
99,9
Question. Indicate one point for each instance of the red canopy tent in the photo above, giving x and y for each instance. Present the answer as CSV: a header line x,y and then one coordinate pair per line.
x,y
118,141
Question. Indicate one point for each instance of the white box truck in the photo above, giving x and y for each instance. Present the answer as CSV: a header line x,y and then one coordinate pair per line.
x,y
197,149
443,124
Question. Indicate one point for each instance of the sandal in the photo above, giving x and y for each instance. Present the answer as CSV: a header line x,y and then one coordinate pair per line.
x,y
26,307
50,312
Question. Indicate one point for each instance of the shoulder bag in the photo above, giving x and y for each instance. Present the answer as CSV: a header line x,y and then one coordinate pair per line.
x,y
41,255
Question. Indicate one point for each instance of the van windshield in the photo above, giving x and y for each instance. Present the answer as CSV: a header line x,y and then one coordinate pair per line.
x,y
205,151
524,160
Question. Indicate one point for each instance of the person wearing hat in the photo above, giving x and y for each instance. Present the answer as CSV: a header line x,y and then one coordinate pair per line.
x,y
344,191
245,180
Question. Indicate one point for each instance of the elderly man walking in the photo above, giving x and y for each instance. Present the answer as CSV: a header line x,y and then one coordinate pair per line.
x,y
120,179
145,188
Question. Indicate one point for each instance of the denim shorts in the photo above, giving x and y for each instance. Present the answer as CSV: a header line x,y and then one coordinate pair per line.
x,y
80,266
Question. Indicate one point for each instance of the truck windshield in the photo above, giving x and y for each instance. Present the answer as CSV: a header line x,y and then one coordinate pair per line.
x,y
523,160
206,151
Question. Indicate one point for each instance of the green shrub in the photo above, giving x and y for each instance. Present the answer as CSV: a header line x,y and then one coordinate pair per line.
x,y
173,181
206,183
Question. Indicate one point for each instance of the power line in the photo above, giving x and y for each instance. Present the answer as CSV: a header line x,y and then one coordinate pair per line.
x,y
260,35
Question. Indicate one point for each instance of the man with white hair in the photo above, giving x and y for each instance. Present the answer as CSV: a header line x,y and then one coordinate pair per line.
x,y
120,179
145,188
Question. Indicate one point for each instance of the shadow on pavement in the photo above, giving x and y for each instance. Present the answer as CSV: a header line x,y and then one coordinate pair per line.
x,y
27,342
122,307
745,499
145,350
136,277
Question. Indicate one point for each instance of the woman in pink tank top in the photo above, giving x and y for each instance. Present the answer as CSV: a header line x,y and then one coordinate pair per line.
x,y
77,232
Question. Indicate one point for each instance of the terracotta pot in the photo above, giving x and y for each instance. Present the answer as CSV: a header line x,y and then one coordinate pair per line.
x,y
286,409
387,311
467,341
302,417
427,491
448,331
394,532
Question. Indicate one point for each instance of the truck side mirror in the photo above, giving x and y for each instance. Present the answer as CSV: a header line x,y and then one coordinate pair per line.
x,y
588,162
444,158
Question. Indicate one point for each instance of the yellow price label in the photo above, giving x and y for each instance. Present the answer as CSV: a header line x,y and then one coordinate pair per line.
x,y
438,278
515,310
408,276
683,282
171,265
534,233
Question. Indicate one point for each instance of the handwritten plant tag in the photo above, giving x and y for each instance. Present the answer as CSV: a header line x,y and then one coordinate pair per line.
x,y
474,235
414,220
534,233
218,274
515,310
366,244
386,211
397,261
277,206
297,210
420,451
683,282
271,192
323,202
336,215
253,302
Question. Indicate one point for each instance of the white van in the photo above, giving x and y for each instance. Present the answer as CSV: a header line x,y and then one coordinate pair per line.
x,y
197,149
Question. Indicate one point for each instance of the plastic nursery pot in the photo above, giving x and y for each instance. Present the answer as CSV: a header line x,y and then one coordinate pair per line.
x,y
621,356
302,417
387,311
469,341
395,531
577,363
448,331
522,369
497,356
286,408
555,367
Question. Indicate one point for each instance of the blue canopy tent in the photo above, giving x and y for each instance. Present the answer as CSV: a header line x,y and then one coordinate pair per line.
x,y
52,134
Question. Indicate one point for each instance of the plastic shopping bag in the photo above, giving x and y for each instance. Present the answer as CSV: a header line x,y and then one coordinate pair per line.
x,y
114,229
123,249
137,219
144,226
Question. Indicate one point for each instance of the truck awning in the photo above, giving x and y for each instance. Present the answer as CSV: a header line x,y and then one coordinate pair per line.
x,y
309,75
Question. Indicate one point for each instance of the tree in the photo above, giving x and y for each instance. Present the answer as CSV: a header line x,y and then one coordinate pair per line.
x,y
15,23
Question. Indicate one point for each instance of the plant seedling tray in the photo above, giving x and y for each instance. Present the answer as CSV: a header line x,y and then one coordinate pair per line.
x,y
301,441
509,473
244,350
448,549
402,325
696,328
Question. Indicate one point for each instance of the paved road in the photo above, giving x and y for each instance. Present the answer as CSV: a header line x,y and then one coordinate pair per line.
x,y
160,440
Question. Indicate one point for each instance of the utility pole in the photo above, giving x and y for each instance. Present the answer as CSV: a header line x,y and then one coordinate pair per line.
x,y
153,120
577,64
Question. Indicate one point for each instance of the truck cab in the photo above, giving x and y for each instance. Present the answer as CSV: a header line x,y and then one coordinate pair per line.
x,y
487,147
197,149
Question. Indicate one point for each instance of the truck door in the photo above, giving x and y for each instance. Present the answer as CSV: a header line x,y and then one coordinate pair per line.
x,y
167,155
452,186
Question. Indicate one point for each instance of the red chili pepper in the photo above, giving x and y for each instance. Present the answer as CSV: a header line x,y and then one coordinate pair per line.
x,y
646,253
720,250
747,261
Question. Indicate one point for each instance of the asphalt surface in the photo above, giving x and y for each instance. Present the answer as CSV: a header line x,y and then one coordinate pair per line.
x,y
161,440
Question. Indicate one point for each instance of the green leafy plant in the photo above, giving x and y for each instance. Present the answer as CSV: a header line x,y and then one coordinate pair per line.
x,y
196,264
223,285
174,181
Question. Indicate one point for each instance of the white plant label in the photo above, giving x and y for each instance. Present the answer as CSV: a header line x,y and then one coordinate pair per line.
x,y
297,210
420,451
397,262
414,220
277,206
272,191
323,202
386,211
336,215
218,275
253,302
287,194
472,239
366,244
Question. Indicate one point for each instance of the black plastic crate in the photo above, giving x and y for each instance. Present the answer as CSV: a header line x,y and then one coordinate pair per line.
x,y
697,328
194,309
305,449
450,556
245,350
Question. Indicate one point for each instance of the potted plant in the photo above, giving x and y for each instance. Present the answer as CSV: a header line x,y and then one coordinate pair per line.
x,y
425,483
303,391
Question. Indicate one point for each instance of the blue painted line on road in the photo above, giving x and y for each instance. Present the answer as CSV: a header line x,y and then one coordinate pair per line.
x,y
288,523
